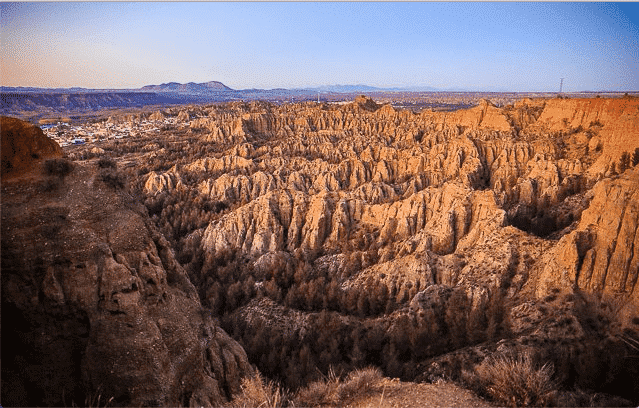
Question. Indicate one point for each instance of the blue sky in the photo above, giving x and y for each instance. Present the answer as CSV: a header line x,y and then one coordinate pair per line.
x,y
479,46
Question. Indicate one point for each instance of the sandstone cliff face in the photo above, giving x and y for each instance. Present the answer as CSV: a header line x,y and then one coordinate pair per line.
x,y
617,118
98,304
314,178
158,182
483,218
601,256
457,148
157,116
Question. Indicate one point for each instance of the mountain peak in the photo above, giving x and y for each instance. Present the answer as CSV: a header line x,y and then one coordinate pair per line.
x,y
191,87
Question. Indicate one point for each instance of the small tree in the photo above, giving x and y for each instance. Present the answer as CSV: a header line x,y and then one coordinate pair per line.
x,y
58,167
635,157
106,162
625,162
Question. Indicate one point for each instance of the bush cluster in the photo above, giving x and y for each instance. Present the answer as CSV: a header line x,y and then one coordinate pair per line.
x,y
58,167
113,178
106,162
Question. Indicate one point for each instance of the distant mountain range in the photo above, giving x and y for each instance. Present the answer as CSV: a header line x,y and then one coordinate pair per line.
x,y
215,90
216,87
190,88
18,100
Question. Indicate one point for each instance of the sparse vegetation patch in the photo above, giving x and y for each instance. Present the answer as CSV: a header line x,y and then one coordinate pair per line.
x,y
112,178
58,167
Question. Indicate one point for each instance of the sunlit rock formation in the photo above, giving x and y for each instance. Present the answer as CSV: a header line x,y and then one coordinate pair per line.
x,y
359,233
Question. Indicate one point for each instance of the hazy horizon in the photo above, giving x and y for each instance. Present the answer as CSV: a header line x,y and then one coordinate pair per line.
x,y
518,47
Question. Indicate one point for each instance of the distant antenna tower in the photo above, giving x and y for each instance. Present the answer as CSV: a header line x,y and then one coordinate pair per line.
x,y
561,85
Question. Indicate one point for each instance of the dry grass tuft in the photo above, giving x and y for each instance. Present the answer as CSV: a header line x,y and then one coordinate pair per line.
x,y
321,392
329,391
517,381
256,392
95,400
360,383
316,394
332,391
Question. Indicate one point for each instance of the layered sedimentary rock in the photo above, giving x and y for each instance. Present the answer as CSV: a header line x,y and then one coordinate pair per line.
x,y
156,116
392,183
316,177
166,181
499,221
602,254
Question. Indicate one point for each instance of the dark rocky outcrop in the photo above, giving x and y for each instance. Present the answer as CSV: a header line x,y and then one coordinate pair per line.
x,y
24,144
94,302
